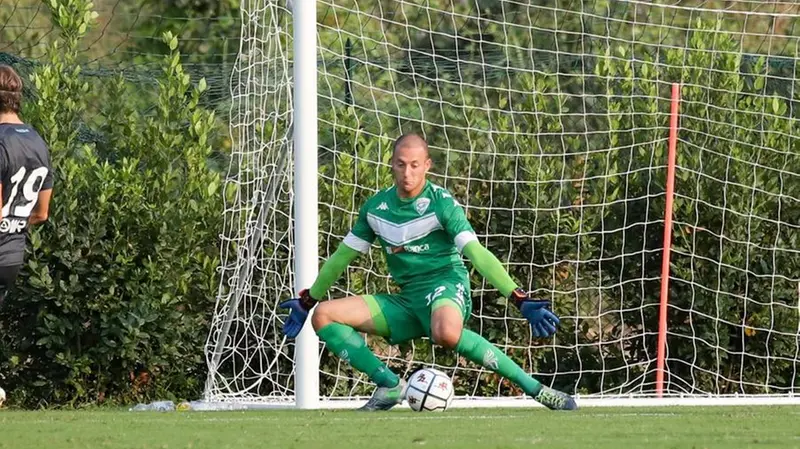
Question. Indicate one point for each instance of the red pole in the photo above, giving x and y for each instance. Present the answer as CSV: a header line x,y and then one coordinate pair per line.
x,y
662,312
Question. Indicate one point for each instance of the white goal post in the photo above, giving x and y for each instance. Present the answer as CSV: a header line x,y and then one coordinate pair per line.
x,y
635,162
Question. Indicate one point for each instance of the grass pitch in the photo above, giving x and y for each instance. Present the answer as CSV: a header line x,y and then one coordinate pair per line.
x,y
677,427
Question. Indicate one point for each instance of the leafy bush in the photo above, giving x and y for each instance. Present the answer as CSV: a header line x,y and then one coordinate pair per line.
x,y
114,298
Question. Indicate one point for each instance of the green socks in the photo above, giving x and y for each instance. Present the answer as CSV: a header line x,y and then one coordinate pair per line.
x,y
477,350
348,345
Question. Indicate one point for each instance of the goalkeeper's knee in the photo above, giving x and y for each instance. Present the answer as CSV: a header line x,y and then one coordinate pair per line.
x,y
446,339
320,318
446,333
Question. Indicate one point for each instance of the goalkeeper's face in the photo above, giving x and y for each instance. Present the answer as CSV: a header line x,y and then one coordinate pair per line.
x,y
410,165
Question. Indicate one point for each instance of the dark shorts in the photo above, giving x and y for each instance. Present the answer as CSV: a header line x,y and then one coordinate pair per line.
x,y
8,276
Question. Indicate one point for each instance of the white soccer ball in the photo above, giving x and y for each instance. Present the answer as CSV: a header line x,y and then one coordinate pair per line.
x,y
429,390
2,396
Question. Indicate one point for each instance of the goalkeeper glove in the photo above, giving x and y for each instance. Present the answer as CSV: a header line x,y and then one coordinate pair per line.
x,y
537,312
298,313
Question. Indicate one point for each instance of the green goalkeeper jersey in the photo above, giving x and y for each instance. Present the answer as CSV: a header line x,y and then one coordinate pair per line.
x,y
421,236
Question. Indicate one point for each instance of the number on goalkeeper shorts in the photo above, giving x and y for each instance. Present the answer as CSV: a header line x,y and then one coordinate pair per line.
x,y
429,390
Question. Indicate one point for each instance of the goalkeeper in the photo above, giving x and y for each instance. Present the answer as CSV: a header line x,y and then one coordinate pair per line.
x,y
422,230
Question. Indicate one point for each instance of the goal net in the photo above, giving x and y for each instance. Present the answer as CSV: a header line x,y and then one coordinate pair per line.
x,y
550,123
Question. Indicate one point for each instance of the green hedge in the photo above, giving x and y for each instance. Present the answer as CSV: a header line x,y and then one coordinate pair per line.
x,y
114,301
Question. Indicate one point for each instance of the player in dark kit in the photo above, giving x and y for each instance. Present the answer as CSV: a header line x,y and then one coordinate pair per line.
x,y
26,180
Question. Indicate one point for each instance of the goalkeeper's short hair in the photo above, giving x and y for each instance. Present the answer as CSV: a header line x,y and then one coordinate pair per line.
x,y
410,140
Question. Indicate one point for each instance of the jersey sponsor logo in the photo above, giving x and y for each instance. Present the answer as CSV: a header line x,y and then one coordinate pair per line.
x,y
22,130
383,206
408,249
417,248
421,205
12,225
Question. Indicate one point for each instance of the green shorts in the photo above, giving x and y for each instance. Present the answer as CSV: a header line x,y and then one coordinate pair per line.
x,y
407,315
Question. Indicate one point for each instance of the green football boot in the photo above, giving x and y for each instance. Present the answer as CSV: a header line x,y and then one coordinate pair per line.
x,y
384,398
555,400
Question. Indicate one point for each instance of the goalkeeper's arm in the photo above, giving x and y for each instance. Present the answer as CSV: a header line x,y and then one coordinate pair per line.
x,y
543,321
489,267
332,269
357,241
300,307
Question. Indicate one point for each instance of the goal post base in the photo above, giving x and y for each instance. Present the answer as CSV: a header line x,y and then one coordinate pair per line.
x,y
288,403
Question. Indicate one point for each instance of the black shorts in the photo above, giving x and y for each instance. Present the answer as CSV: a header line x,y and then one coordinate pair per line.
x,y
8,276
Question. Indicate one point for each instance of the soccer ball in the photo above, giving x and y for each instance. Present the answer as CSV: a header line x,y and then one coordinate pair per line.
x,y
2,396
429,390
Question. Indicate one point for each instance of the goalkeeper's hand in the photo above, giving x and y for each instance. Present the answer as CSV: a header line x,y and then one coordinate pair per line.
x,y
298,313
537,312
